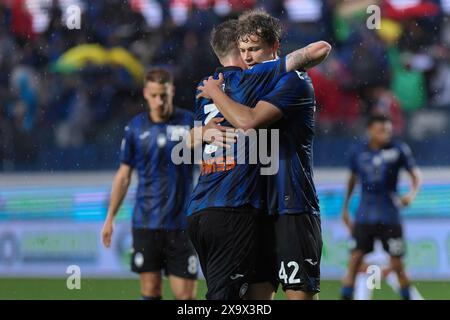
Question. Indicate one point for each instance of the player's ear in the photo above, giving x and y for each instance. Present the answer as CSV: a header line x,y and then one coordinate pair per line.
x,y
276,48
144,91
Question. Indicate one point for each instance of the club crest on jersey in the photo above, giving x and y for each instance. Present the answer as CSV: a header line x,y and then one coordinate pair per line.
x,y
139,259
161,140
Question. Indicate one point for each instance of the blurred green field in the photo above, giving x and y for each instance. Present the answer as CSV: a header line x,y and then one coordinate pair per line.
x,y
128,289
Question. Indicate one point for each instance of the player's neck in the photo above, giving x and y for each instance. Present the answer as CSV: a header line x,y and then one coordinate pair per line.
x,y
374,145
232,61
159,116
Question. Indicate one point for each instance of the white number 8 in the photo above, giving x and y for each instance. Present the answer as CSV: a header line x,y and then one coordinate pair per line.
x,y
192,264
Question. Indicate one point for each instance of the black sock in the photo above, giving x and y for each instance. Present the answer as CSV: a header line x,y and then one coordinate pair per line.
x,y
347,293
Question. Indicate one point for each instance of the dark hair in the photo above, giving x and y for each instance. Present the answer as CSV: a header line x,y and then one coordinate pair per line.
x,y
377,118
258,22
159,75
223,38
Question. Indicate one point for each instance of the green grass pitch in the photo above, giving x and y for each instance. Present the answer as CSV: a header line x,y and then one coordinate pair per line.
x,y
122,289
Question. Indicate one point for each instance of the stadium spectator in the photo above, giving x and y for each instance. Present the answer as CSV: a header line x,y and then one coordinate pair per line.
x,y
402,56
375,164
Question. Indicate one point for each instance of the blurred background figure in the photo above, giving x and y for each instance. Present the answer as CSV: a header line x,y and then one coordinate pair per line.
x,y
375,165
160,240
365,286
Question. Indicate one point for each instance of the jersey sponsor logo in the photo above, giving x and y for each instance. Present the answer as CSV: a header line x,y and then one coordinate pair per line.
x,y
390,155
218,164
144,135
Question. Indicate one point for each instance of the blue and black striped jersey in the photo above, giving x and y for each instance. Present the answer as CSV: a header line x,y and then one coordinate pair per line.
x,y
225,179
291,190
164,188
377,172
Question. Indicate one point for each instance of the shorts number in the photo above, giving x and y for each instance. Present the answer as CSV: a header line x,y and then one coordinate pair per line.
x,y
396,246
192,265
292,278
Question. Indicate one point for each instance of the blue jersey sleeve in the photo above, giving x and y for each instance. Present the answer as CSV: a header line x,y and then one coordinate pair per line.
x,y
292,91
127,148
407,159
272,68
198,109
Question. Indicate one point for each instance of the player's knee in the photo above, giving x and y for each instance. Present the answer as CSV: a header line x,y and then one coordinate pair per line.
x,y
357,255
151,289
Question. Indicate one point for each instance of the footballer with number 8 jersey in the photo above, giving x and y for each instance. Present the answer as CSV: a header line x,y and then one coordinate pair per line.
x,y
159,221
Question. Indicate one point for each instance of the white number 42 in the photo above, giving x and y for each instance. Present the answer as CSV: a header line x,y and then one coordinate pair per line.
x,y
292,278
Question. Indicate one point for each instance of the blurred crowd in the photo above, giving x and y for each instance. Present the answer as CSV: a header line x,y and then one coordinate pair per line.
x,y
56,109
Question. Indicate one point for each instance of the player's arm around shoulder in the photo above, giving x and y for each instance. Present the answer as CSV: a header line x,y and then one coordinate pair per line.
x,y
262,116
308,57
290,89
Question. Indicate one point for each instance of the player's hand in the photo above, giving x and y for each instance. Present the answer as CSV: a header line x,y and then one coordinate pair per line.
x,y
208,86
107,232
347,221
406,200
218,135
